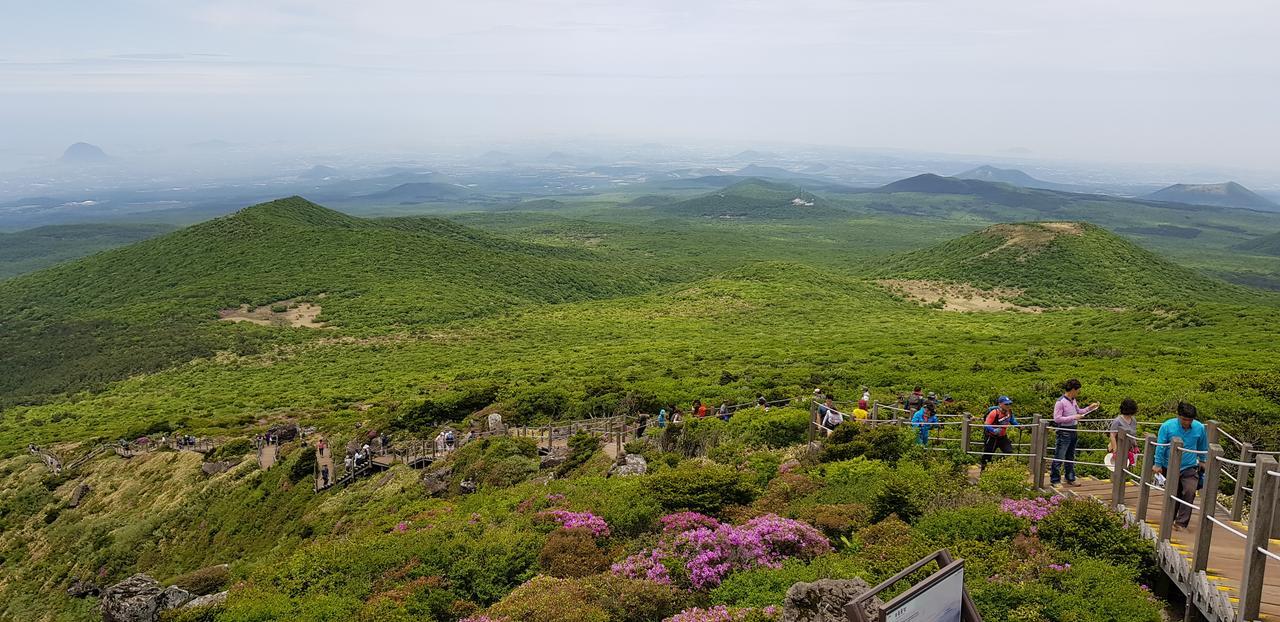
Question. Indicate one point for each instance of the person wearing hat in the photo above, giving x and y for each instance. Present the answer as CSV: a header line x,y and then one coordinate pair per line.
x,y
860,413
996,429
922,421
1194,438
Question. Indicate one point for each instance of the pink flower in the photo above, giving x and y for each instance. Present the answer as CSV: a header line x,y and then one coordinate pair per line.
x,y
721,613
1034,509
401,527
711,553
573,520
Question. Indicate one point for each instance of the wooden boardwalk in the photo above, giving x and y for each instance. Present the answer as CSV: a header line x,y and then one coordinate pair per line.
x,y
1226,552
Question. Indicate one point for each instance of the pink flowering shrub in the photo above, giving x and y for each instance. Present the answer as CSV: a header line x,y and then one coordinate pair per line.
x,y
702,556
721,613
1035,509
480,617
401,527
684,521
584,520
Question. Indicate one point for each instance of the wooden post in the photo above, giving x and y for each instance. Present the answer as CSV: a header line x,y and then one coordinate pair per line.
x,y
1260,521
1172,473
1208,507
1211,431
813,420
1148,463
1042,431
1033,463
1118,476
965,422
1242,480
875,411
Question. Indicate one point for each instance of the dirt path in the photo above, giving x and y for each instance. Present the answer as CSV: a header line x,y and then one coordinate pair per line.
x,y
267,456
324,459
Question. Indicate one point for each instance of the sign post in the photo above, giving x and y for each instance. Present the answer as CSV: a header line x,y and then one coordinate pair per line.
x,y
940,597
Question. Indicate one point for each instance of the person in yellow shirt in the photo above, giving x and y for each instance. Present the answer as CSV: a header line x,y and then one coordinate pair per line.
x,y
860,413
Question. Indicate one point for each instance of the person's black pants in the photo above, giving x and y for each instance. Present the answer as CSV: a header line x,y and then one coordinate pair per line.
x,y
1188,483
992,443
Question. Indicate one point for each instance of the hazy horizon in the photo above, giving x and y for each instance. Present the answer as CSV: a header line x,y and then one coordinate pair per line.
x,y
1158,82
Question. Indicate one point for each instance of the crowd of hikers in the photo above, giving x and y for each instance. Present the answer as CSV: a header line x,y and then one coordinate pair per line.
x,y
1122,431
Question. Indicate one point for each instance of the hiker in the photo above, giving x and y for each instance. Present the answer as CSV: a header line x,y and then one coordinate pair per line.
x,y
761,402
346,462
866,394
677,415
860,413
320,445
324,476
642,422
915,401
699,409
924,419
662,418
1126,423
1066,415
831,417
1191,467
996,430
724,411
448,440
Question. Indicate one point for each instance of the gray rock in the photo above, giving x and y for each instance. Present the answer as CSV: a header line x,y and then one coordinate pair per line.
x,y
83,589
209,600
214,468
140,599
632,464
78,495
467,487
436,482
550,462
824,600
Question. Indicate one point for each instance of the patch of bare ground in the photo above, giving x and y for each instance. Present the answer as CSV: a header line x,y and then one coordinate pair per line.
x,y
957,296
1029,239
283,313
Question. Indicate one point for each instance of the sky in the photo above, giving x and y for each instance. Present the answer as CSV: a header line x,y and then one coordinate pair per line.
x,y
1174,81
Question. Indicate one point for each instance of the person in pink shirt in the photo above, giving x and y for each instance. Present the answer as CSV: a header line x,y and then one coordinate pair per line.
x,y
1066,416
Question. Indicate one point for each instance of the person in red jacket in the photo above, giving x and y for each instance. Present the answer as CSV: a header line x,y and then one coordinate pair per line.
x,y
996,429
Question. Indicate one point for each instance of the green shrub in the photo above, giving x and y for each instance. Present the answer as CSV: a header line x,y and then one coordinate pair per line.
x,y
1007,479
626,503
836,520
304,467
204,581
571,553
700,487
896,497
768,586
582,445
231,450
780,427
851,440
1085,527
496,461
983,523
600,598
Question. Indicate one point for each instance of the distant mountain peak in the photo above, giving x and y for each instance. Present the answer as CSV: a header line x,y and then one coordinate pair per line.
x,y
291,211
1010,176
1225,194
83,153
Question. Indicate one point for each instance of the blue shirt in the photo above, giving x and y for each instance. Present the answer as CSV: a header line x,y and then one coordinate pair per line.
x,y
922,422
1195,438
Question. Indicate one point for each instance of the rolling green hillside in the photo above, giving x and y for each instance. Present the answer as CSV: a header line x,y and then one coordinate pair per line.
x,y
27,251
1061,264
1265,245
157,302
755,199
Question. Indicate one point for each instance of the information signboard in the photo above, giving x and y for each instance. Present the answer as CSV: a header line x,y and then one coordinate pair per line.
x,y
939,598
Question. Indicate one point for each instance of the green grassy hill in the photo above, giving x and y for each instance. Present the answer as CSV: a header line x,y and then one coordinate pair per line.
x,y
1059,264
156,303
1265,245
27,251
755,199
1227,194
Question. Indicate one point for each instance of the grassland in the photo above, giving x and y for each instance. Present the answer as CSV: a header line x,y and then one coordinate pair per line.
x,y
577,308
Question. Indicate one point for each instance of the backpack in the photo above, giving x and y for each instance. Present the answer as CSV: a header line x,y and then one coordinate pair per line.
x,y
914,401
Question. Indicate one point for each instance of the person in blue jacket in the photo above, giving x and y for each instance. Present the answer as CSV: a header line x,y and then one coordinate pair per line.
x,y
924,419
1185,475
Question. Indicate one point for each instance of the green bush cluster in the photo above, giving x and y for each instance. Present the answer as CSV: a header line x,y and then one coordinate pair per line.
x,y
700,487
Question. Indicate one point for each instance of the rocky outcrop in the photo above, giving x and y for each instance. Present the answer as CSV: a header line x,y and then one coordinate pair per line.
x,y
209,600
140,599
550,461
824,600
83,589
214,468
631,464
78,495
437,482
